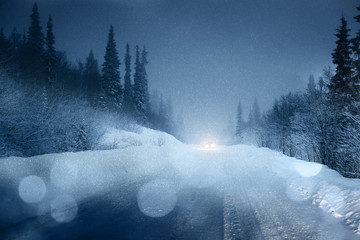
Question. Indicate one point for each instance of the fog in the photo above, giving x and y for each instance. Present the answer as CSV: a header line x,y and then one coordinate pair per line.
x,y
204,55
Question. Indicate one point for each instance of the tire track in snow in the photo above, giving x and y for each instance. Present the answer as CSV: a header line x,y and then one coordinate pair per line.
x,y
232,226
278,221
254,211
240,221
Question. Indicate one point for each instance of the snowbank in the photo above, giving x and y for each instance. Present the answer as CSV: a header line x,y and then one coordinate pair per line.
x,y
45,184
326,188
119,139
157,166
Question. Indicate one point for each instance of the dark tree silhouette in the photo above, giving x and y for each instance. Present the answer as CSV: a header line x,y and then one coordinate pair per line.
x,y
128,103
239,123
50,54
33,62
341,85
92,78
111,95
140,94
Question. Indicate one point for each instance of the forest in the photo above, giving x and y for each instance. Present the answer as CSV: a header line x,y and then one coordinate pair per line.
x,y
49,105
321,124
93,143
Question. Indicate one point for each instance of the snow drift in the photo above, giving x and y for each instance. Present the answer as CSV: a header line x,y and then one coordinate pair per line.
x,y
157,164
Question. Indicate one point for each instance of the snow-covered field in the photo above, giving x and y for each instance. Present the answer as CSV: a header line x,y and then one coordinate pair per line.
x,y
264,192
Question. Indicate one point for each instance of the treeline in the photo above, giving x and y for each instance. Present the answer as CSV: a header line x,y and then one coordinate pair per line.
x,y
322,124
48,104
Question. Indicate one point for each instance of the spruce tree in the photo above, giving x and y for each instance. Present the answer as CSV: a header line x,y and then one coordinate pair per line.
x,y
15,45
128,88
341,96
50,54
140,103
92,78
356,59
111,86
239,122
33,57
35,35
165,117
4,50
12,54
162,116
144,76
3,40
311,86
341,86
254,116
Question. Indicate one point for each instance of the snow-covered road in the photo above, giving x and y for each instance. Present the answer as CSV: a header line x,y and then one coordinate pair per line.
x,y
268,206
175,191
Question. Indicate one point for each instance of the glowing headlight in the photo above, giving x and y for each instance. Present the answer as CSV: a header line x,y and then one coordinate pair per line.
x,y
209,146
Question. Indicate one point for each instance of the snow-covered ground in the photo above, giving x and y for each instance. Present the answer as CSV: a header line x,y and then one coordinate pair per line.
x,y
140,136
265,195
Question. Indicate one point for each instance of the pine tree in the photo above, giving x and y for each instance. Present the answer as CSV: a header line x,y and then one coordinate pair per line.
x,y
33,57
239,122
254,116
253,127
311,86
144,76
92,78
3,40
12,58
128,88
50,54
165,117
341,86
35,35
4,50
345,118
111,86
15,45
15,41
341,97
356,59
162,116
140,98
